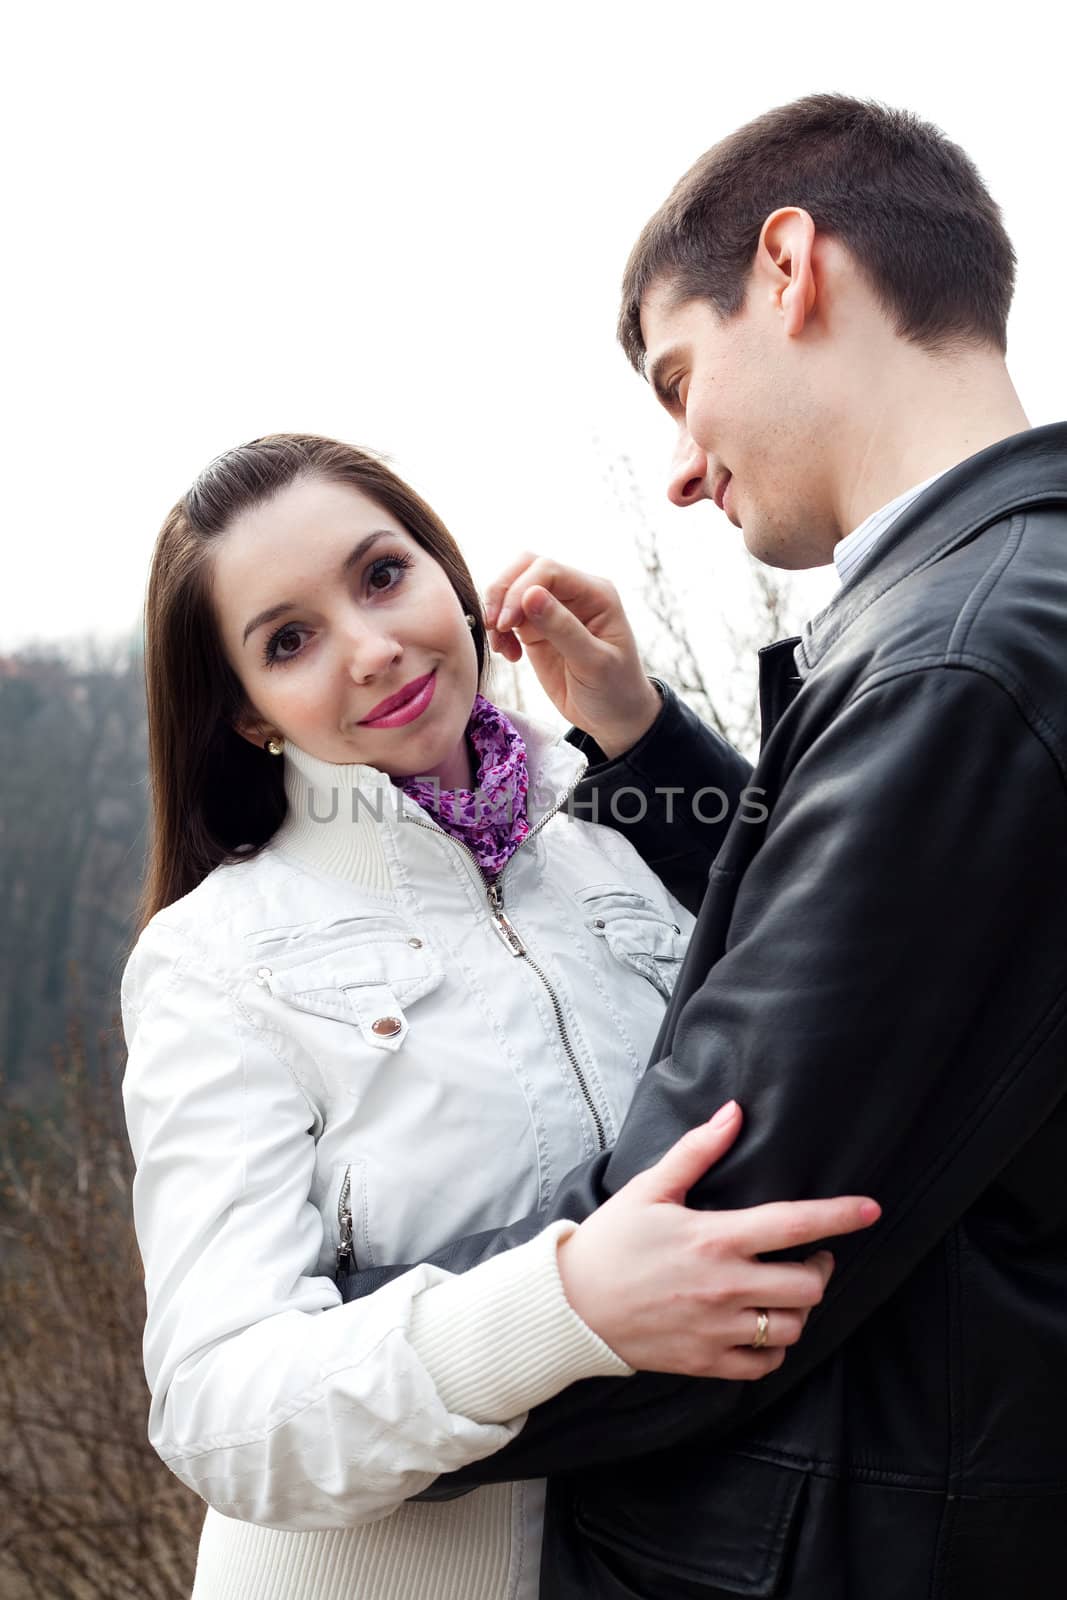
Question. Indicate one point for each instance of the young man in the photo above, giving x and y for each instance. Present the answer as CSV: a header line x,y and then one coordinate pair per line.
x,y
879,968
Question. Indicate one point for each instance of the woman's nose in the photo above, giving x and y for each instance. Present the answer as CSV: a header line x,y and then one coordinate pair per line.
x,y
689,472
371,653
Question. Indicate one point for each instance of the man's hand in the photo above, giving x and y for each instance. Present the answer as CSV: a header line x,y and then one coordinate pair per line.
x,y
580,644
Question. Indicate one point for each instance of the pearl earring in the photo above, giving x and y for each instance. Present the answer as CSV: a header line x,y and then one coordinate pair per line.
x,y
472,622
274,747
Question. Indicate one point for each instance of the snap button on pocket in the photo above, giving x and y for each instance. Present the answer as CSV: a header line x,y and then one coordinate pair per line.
x,y
372,976
379,1010
637,932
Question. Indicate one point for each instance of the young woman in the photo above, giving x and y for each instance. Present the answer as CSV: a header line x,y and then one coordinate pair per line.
x,y
386,992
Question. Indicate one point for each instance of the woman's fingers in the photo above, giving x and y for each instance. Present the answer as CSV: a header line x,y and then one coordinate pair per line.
x,y
744,1365
675,1289
785,1224
797,1284
784,1328
675,1173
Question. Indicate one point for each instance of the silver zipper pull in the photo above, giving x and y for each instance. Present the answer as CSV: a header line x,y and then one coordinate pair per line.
x,y
505,931
344,1220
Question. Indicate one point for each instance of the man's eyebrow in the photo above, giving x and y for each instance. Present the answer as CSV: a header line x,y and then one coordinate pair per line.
x,y
656,371
352,559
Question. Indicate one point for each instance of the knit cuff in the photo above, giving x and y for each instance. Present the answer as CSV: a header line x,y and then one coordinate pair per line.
x,y
500,1339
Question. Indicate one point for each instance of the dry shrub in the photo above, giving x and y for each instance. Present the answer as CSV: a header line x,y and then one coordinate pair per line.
x,y
86,1507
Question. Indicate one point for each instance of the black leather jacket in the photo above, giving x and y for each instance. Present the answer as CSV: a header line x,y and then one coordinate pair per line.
x,y
879,975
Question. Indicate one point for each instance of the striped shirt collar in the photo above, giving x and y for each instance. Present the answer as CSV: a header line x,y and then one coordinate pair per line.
x,y
857,545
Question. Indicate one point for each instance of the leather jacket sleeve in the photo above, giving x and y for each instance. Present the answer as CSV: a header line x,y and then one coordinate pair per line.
x,y
673,794
917,838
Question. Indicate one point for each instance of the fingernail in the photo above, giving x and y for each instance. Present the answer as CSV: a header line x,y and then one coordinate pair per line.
x,y
503,622
870,1211
724,1115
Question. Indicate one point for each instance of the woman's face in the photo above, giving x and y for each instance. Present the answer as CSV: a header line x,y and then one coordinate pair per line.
x,y
346,634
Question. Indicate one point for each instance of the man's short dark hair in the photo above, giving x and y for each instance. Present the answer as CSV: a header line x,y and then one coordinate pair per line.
x,y
907,203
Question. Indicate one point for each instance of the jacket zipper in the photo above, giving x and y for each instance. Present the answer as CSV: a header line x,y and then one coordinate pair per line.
x,y
512,942
344,1225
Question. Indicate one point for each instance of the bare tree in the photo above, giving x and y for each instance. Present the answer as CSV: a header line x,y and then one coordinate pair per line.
x,y
73,802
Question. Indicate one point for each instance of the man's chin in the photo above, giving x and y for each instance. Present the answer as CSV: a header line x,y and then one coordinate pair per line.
x,y
773,548
765,545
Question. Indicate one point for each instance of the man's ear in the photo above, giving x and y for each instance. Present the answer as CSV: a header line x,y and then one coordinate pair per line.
x,y
784,264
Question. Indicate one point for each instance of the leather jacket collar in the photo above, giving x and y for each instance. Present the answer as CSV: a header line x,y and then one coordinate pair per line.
x,y
1028,469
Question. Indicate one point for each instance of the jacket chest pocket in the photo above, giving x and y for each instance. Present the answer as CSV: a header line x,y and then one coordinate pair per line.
x,y
636,932
370,979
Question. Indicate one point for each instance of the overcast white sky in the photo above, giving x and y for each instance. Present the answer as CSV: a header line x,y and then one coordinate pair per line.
x,y
404,225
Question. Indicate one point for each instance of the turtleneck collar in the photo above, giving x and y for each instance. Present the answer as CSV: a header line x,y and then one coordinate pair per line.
x,y
340,815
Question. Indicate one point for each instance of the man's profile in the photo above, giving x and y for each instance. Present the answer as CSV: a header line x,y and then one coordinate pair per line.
x,y
879,968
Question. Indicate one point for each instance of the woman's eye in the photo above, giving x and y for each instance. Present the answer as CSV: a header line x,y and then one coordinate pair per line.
x,y
283,645
386,572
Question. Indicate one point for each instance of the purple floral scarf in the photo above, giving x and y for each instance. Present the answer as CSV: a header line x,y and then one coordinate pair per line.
x,y
491,818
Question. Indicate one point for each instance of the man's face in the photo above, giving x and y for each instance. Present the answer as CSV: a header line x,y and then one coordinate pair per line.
x,y
751,436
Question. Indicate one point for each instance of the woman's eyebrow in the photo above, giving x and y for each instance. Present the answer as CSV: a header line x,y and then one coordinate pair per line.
x,y
352,559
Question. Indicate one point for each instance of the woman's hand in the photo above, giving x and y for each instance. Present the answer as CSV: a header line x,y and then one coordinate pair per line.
x,y
671,1289
580,644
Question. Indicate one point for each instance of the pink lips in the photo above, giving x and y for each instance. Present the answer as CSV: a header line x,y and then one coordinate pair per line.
x,y
720,490
409,703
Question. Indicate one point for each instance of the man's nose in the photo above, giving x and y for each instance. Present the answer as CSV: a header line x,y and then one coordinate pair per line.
x,y
689,472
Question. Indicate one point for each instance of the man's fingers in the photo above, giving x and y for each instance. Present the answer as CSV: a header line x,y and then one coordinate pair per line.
x,y
505,644
542,573
588,597
507,590
503,583
571,639
500,585
784,1224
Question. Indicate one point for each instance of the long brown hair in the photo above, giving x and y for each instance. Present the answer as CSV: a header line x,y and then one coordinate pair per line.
x,y
907,203
214,797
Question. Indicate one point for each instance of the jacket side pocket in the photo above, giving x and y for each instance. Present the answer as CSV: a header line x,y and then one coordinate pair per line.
x,y
738,1540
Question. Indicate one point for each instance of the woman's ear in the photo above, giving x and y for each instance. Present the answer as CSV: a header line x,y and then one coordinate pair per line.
x,y
252,728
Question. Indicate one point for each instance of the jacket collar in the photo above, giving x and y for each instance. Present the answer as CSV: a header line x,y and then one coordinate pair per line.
x,y
1029,469
341,815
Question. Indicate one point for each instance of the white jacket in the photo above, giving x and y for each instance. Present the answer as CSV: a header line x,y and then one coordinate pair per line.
x,y
347,1044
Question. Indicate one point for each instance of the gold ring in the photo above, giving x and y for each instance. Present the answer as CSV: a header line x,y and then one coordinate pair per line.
x,y
763,1323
